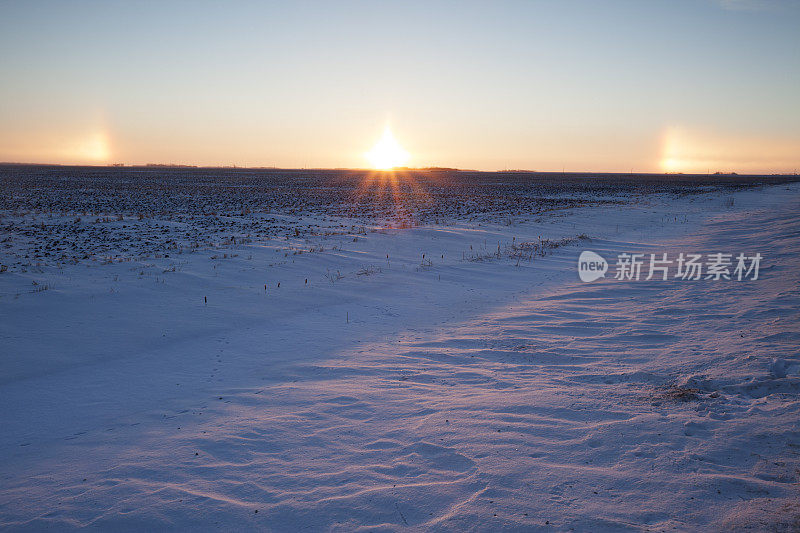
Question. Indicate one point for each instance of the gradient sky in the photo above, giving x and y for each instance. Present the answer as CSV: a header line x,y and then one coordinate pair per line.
x,y
636,85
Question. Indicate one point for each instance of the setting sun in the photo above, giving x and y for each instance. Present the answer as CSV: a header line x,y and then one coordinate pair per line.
x,y
387,153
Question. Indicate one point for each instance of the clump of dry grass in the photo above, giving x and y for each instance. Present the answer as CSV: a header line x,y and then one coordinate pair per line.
x,y
369,270
677,393
524,251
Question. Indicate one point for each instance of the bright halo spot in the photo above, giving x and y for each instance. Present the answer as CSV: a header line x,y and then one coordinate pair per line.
x,y
387,153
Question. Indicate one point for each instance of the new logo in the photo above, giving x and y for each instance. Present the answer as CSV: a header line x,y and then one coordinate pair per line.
x,y
591,266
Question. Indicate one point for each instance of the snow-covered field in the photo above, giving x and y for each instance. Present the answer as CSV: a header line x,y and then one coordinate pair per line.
x,y
315,369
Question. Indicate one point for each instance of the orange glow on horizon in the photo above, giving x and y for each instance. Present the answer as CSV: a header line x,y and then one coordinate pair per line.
x,y
699,152
93,148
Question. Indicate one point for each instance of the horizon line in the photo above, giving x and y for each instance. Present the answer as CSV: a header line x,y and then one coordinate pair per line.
x,y
412,169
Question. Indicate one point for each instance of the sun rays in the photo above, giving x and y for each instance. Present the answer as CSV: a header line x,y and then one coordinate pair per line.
x,y
394,194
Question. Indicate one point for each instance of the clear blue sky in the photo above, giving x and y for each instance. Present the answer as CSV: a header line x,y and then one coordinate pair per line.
x,y
586,85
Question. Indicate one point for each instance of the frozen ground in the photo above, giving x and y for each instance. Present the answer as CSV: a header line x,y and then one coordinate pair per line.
x,y
480,387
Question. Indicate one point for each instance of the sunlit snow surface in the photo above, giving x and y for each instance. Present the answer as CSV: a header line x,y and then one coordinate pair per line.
x,y
464,390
